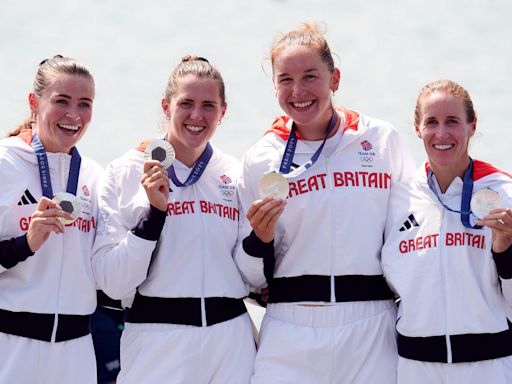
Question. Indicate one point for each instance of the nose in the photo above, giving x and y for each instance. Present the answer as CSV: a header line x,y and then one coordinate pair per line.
x,y
196,114
443,130
298,89
71,113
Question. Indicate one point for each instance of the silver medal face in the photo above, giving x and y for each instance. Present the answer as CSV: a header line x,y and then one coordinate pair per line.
x,y
273,185
483,201
161,151
69,203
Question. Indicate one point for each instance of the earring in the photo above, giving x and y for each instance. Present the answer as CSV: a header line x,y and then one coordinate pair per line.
x,y
218,122
167,117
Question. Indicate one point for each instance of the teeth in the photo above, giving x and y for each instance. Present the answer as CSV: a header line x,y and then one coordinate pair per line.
x,y
443,146
194,128
70,127
304,104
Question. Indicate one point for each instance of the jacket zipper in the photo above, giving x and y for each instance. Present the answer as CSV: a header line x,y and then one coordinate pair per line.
x,y
203,241
333,231
445,296
63,181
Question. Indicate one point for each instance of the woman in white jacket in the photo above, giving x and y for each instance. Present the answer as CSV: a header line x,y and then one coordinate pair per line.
x,y
449,261
330,316
47,289
167,242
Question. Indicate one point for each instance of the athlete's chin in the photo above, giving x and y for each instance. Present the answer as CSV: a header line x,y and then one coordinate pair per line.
x,y
303,118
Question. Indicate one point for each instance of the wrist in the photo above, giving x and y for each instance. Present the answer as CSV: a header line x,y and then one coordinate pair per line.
x,y
254,246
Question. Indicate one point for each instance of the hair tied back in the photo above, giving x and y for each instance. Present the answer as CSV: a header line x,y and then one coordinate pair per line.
x,y
186,58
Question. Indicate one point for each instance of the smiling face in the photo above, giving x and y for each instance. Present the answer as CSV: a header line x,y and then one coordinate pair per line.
x,y
304,85
194,111
63,111
445,131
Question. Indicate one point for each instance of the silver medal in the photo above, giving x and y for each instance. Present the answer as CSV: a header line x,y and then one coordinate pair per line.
x,y
161,151
70,204
273,185
483,201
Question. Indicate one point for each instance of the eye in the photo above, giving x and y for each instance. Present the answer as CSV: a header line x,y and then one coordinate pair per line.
x,y
185,104
310,77
61,101
85,104
431,120
285,80
209,106
452,121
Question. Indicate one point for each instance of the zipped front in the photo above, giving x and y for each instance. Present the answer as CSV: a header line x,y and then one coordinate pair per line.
x,y
63,176
444,278
333,231
203,240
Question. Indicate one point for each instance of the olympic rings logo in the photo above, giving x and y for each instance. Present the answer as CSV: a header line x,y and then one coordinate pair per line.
x,y
227,193
366,159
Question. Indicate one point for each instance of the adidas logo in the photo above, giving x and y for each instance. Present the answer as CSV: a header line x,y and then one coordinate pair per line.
x,y
409,223
27,198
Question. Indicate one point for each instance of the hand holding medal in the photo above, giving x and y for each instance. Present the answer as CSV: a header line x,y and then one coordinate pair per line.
x,y
47,218
486,205
263,215
155,179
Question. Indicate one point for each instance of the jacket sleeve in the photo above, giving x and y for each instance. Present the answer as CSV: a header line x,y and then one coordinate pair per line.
x,y
503,260
13,251
127,233
249,263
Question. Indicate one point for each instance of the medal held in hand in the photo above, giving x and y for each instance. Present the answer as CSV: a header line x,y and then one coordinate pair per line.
x,y
483,201
70,204
273,185
161,151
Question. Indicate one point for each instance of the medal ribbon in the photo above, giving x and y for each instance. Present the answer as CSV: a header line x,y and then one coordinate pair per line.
x,y
289,151
467,192
197,170
44,169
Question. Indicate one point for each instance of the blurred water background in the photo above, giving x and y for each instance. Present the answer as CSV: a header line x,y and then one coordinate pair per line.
x,y
387,50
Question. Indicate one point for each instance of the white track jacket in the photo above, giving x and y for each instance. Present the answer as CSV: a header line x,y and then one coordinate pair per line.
x,y
58,278
193,256
444,272
333,222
